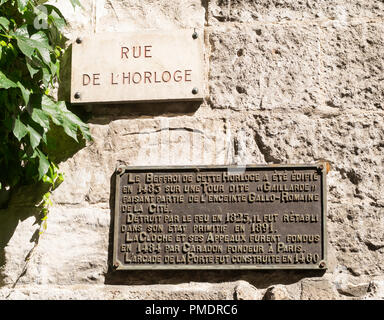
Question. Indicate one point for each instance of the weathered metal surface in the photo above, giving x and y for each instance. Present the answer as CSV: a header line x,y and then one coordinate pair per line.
x,y
216,217
138,66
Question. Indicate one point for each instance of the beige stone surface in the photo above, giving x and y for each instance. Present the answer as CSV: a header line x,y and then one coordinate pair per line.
x,y
127,15
278,292
287,82
351,71
318,289
375,290
289,11
245,291
188,291
264,67
78,21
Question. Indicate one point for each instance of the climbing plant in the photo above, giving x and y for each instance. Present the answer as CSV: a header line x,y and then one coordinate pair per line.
x,y
30,50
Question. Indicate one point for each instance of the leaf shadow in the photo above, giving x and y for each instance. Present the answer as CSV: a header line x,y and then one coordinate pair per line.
x,y
22,205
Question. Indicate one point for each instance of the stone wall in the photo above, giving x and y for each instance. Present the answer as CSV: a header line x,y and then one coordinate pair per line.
x,y
287,82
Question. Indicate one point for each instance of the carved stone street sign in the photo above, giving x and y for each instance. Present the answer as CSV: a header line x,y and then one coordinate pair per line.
x,y
138,66
214,217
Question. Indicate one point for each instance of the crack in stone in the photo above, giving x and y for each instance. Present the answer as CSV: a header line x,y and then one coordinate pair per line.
x,y
205,5
165,129
345,293
265,150
113,9
25,268
372,246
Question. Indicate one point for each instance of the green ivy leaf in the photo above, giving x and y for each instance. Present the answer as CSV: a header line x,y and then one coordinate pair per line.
x,y
4,23
40,117
37,41
71,118
60,115
22,4
43,47
24,92
5,83
51,109
71,130
55,16
47,179
21,31
34,137
19,129
26,46
32,70
58,181
43,164
54,67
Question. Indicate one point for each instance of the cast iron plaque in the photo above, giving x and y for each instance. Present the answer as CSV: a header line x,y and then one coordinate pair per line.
x,y
219,217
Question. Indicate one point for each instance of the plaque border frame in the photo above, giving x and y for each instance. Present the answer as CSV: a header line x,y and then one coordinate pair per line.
x,y
322,264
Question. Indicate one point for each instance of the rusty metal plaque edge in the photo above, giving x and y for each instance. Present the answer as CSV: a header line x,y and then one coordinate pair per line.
x,y
120,169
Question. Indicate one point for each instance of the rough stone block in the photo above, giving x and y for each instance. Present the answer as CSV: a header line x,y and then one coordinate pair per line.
x,y
375,290
245,291
247,11
354,233
352,65
19,243
352,143
318,289
264,67
79,20
122,15
72,250
278,292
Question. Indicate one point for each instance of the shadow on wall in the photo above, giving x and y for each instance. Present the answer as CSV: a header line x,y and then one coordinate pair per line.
x,y
21,202
103,113
20,207
258,278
